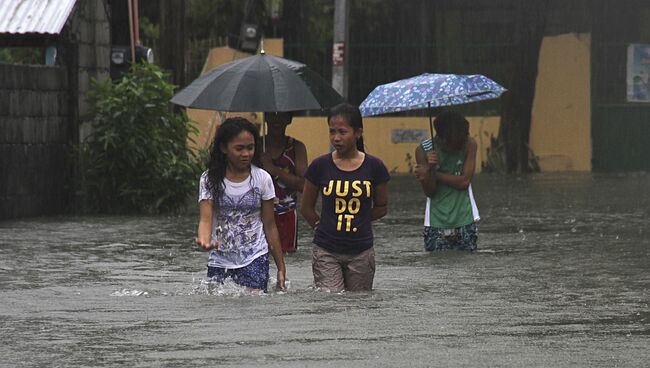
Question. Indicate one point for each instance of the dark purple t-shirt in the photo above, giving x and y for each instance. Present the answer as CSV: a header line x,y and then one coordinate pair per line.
x,y
347,197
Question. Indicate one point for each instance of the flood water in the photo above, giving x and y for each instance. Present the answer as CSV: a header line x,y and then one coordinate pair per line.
x,y
561,279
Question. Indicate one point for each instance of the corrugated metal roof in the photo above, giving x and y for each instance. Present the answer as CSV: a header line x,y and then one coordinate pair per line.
x,y
34,16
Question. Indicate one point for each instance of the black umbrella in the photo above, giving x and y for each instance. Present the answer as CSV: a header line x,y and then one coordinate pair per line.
x,y
262,83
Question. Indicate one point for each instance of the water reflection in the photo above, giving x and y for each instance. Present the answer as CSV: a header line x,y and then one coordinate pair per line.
x,y
560,279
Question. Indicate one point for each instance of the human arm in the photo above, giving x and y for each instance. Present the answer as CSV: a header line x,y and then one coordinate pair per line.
x,y
380,201
204,236
294,181
301,166
308,204
273,239
425,169
462,181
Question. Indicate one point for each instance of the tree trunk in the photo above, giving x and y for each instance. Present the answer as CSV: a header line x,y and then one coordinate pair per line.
x,y
172,39
514,131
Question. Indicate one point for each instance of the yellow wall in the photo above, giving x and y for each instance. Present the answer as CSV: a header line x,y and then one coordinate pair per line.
x,y
561,125
377,137
561,122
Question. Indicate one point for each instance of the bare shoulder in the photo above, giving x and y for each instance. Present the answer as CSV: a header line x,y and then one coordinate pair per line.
x,y
298,144
471,145
419,155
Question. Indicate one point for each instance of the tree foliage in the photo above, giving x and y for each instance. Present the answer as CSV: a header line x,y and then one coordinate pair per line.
x,y
136,159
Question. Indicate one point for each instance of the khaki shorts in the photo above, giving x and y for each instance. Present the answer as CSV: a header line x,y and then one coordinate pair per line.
x,y
336,272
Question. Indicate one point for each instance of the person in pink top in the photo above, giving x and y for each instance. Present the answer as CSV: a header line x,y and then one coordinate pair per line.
x,y
285,159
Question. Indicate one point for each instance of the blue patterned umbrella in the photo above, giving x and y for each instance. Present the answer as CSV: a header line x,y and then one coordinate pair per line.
x,y
429,90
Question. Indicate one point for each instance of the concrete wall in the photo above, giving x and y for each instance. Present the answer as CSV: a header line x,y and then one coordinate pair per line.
x,y
561,126
560,129
379,136
34,127
92,40
379,132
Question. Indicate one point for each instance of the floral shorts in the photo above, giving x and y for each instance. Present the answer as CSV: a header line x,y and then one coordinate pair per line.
x,y
460,238
255,275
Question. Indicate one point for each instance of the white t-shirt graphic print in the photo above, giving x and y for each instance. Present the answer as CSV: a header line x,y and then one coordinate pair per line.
x,y
237,224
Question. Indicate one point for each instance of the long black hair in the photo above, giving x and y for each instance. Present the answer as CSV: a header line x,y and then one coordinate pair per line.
x,y
352,115
218,163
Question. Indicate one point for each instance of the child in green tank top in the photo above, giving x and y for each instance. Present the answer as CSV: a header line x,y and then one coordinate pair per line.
x,y
445,167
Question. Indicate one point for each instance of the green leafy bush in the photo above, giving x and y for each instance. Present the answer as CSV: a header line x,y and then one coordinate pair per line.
x,y
136,158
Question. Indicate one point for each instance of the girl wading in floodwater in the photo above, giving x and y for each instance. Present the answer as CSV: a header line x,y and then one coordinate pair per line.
x,y
354,189
237,222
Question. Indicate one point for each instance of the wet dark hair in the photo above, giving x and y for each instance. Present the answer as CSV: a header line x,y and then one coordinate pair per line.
x,y
228,130
453,129
288,114
352,115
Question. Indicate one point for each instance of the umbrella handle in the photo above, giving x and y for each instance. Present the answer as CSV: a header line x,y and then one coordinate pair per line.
x,y
435,167
263,135
430,120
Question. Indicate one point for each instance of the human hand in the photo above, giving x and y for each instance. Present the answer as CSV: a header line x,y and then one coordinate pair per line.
x,y
281,280
267,162
422,171
207,244
432,158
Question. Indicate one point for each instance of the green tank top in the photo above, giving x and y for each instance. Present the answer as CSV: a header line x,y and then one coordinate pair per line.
x,y
449,207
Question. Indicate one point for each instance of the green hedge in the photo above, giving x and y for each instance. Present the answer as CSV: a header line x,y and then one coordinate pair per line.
x,y
136,159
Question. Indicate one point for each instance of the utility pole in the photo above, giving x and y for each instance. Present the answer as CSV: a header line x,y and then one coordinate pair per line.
x,y
340,47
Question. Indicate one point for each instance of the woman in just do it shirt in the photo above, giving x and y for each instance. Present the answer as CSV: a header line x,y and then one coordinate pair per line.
x,y
354,189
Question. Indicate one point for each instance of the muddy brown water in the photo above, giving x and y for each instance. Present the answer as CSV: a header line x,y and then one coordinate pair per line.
x,y
561,279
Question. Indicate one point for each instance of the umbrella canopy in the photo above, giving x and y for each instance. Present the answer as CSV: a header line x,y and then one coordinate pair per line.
x,y
259,83
429,90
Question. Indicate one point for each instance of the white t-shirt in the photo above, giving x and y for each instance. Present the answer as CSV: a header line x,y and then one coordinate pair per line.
x,y
237,224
